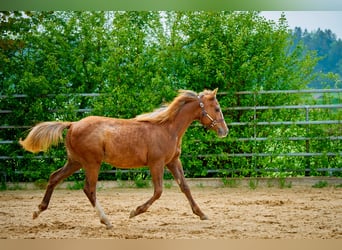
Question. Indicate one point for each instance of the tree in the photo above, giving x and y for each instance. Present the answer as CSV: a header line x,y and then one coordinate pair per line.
x,y
138,60
329,52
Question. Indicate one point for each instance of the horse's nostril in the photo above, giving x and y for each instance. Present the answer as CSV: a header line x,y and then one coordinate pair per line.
x,y
222,132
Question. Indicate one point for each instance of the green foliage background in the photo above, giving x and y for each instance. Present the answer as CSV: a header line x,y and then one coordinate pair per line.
x,y
136,61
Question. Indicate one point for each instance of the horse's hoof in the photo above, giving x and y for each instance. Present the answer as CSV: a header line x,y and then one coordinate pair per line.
x,y
35,215
204,217
132,214
107,223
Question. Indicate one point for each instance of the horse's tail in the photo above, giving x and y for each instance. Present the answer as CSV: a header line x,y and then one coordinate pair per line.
x,y
43,135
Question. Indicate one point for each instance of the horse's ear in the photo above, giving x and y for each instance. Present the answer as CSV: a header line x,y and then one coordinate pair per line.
x,y
215,91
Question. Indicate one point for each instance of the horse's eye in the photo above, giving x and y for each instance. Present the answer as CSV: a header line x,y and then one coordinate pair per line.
x,y
217,109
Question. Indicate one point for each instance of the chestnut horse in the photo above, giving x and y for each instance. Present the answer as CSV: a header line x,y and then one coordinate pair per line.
x,y
152,140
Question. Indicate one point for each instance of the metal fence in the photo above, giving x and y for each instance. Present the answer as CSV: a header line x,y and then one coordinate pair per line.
x,y
253,124
307,122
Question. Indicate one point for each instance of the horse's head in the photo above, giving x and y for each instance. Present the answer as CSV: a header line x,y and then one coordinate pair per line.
x,y
211,115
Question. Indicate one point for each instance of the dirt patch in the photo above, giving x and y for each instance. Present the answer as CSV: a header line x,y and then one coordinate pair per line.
x,y
234,213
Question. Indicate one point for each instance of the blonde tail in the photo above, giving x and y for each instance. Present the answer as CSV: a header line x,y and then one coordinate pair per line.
x,y
43,135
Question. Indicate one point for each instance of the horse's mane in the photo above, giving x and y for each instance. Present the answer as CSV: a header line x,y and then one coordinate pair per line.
x,y
167,113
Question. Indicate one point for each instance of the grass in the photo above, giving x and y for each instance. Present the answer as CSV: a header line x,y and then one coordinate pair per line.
x,y
320,184
3,186
270,183
40,184
168,184
76,185
231,183
253,183
14,186
282,183
140,182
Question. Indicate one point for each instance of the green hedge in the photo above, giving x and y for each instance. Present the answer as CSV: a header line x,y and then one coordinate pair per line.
x,y
137,61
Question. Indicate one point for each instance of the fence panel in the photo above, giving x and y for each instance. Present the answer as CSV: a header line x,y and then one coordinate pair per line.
x,y
305,141
308,142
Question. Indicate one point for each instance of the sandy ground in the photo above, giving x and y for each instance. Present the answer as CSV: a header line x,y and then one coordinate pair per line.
x,y
234,213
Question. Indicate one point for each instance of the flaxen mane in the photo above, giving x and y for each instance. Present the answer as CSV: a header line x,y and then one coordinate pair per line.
x,y
167,113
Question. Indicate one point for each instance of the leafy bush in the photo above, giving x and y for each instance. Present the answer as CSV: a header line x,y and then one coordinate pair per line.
x,y
133,62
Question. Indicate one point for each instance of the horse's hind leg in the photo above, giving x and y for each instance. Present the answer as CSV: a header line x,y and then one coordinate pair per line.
x,y
69,168
177,171
92,173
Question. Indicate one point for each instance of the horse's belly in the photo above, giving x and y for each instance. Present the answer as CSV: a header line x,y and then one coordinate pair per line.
x,y
126,157
125,163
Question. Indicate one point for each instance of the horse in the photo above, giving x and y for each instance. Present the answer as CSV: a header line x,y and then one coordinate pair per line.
x,y
152,140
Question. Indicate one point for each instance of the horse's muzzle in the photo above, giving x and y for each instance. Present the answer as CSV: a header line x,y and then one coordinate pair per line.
x,y
222,132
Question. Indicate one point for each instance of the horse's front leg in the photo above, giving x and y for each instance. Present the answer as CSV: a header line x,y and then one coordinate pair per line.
x,y
176,169
157,172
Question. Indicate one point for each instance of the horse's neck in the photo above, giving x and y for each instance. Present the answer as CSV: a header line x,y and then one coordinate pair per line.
x,y
184,118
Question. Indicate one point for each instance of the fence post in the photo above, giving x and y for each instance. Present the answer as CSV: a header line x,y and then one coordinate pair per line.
x,y
255,134
307,142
